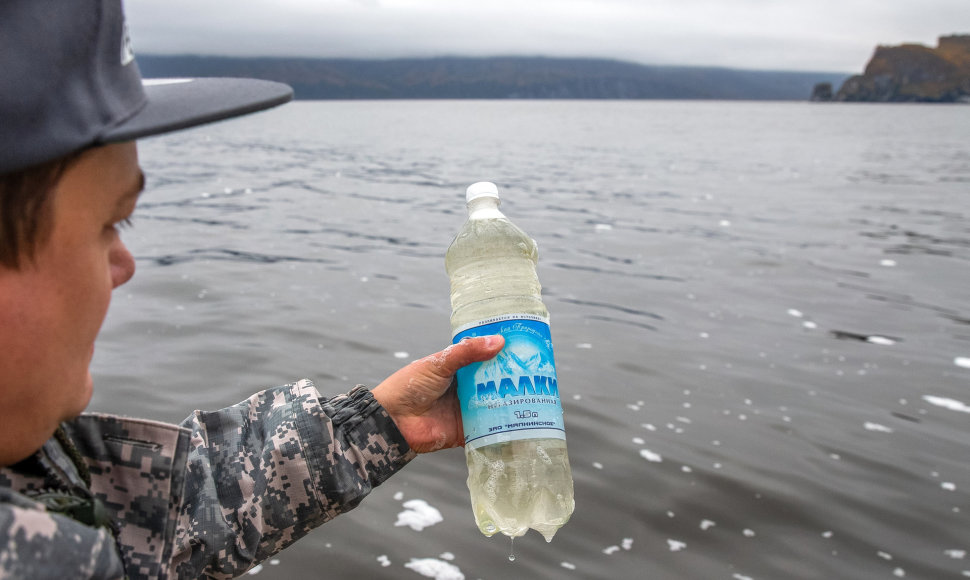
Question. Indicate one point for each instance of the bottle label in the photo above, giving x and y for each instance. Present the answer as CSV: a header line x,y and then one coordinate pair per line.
x,y
515,395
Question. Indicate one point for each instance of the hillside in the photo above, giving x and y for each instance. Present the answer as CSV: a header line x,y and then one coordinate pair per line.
x,y
495,78
914,73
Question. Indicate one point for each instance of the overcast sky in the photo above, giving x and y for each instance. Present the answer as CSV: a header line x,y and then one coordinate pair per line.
x,y
812,35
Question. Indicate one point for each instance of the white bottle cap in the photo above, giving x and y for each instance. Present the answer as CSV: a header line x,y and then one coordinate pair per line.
x,y
481,189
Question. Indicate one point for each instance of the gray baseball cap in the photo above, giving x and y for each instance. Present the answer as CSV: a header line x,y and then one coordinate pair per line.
x,y
69,80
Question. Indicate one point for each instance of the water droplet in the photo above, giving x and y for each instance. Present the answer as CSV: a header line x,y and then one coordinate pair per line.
x,y
512,549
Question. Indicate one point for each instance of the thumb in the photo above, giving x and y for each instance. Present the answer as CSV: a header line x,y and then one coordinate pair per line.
x,y
467,351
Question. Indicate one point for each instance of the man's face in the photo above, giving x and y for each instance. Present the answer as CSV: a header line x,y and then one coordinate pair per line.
x,y
51,309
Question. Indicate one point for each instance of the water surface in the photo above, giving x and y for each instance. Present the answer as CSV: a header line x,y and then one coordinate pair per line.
x,y
760,312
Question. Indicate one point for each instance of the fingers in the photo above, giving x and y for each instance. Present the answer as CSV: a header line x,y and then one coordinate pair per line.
x,y
467,351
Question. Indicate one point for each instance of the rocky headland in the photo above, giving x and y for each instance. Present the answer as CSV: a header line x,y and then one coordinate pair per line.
x,y
910,73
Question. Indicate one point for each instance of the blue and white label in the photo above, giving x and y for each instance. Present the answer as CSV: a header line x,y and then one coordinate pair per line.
x,y
516,394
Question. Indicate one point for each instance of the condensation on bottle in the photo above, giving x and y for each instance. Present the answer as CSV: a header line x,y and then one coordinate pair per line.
x,y
515,441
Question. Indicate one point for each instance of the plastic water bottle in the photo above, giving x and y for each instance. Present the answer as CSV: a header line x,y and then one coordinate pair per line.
x,y
515,442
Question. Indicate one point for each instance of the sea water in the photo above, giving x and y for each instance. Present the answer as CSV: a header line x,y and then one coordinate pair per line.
x,y
675,237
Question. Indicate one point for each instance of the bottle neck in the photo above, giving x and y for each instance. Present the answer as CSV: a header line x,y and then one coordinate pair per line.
x,y
486,207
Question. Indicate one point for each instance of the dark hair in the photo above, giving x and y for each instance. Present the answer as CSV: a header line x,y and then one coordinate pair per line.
x,y
25,209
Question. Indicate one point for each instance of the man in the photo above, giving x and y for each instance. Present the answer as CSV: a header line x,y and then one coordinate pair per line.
x,y
96,496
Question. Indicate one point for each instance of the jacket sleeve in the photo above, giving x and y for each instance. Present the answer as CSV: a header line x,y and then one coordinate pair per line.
x,y
263,473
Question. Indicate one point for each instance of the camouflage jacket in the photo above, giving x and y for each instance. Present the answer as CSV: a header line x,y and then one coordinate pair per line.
x,y
209,498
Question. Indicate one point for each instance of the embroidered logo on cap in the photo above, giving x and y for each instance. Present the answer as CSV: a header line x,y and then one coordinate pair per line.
x,y
127,52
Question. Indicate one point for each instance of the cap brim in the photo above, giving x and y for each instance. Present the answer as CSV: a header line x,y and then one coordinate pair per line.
x,y
174,104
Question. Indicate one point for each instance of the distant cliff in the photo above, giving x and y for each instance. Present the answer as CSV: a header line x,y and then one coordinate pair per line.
x,y
914,73
495,78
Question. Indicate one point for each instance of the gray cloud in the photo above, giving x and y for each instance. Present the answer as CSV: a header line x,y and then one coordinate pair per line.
x,y
836,35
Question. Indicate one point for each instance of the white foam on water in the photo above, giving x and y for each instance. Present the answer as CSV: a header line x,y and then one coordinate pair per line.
x,y
627,544
827,534
255,570
748,533
434,568
568,565
399,496
707,524
877,427
951,404
899,573
737,576
651,456
949,486
956,554
639,440
401,354
676,545
384,560
884,555
887,263
274,562
686,469
447,556
648,426
418,515
597,465
610,550
724,223
795,313
585,345
962,361
881,340
603,227
809,324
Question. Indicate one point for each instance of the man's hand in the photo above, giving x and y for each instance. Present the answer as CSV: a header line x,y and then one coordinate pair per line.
x,y
422,397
